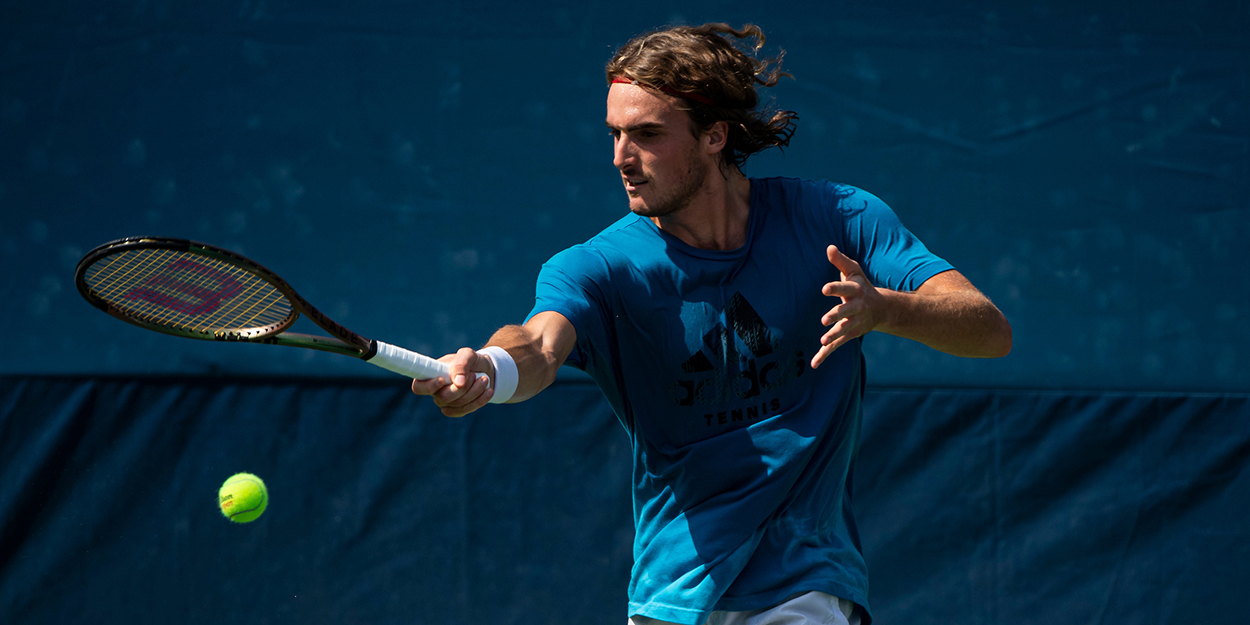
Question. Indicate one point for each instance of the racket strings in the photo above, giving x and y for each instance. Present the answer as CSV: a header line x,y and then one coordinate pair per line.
x,y
172,288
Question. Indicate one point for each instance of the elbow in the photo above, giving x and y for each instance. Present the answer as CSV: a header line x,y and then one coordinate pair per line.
x,y
1001,344
992,339
1002,348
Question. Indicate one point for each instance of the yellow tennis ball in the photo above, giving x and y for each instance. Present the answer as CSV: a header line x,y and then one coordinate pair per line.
x,y
243,498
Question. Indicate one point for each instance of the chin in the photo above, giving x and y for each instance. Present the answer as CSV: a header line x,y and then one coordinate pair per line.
x,y
647,211
640,207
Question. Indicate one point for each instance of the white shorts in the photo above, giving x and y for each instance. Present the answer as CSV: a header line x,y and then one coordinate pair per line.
x,y
813,608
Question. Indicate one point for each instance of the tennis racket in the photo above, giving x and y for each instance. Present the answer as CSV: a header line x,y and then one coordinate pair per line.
x,y
199,291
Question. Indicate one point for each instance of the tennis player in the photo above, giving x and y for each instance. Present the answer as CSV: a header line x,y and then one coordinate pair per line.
x,y
723,320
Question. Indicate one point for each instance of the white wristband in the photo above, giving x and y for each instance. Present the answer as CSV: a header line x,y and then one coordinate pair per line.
x,y
506,376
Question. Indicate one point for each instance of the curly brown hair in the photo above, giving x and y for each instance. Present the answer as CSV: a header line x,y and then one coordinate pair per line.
x,y
715,78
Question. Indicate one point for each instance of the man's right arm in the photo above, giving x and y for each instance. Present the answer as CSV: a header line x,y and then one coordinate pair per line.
x,y
539,348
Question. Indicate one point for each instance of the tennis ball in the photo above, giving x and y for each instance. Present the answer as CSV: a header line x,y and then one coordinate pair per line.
x,y
243,498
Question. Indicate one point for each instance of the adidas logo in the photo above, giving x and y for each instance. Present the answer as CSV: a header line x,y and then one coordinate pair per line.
x,y
740,360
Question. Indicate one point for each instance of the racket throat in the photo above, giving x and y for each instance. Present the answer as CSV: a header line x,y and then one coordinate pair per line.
x,y
322,343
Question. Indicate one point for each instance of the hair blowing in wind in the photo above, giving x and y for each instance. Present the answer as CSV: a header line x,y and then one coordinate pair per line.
x,y
705,62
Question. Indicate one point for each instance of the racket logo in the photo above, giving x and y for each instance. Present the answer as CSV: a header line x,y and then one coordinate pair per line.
x,y
187,287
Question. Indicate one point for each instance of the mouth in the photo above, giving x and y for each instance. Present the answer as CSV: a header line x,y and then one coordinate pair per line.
x,y
632,185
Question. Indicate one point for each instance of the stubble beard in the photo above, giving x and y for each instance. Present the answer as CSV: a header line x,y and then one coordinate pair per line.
x,y
682,195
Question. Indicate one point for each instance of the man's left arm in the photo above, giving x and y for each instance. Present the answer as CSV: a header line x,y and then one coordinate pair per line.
x,y
946,313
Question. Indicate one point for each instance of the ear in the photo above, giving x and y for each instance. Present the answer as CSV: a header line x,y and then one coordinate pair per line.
x,y
716,136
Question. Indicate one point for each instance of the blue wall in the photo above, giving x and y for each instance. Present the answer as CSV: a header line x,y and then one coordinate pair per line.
x,y
975,507
408,168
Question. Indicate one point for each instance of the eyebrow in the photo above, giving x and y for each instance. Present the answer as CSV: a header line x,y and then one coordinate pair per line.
x,y
636,127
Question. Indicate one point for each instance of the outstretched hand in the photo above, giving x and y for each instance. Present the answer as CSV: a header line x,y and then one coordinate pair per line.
x,y
465,392
859,312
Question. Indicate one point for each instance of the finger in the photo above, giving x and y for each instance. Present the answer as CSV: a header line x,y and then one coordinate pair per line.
x,y
449,396
428,387
482,392
838,334
821,355
432,385
831,341
844,290
850,308
478,394
843,262
835,314
462,367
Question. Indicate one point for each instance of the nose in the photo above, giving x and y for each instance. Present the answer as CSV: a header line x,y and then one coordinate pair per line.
x,y
622,152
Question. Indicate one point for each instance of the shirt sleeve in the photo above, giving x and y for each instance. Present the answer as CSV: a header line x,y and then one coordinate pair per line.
x,y
892,257
570,284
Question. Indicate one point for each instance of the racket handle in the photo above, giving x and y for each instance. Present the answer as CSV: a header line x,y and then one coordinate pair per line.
x,y
410,363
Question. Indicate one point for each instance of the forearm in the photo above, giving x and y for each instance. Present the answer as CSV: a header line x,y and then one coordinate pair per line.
x,y
538,349
960,322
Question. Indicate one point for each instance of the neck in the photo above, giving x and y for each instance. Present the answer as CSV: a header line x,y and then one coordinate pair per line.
x,y
717,218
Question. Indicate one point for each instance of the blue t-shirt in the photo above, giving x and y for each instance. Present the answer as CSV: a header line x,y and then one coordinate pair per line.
x,y
743,453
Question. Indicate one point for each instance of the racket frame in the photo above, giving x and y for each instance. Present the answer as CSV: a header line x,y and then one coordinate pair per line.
x,y
341,340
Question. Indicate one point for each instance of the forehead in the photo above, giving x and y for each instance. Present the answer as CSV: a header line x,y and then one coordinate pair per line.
x,y
631,105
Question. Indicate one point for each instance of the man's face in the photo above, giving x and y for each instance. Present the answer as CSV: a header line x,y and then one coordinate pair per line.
x,y
663,164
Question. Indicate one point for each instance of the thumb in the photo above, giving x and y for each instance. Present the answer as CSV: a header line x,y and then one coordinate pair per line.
x,y
843,262
462,366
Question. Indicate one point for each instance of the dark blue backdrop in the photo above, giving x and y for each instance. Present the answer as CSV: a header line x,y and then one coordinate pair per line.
x,y
408,168
976,507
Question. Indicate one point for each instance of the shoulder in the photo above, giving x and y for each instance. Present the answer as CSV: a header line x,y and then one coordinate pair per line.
x,y
815,193
820,201
610,246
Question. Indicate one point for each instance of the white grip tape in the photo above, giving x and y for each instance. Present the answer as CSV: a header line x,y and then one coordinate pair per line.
x,y
410,363
506,376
